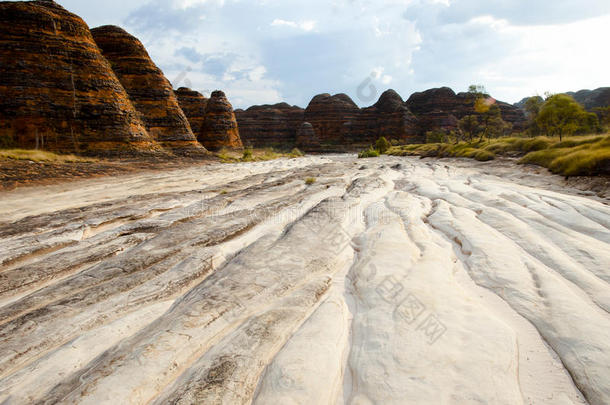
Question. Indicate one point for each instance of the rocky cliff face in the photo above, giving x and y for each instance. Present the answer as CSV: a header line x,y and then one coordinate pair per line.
x,y
328,123
219,128
57,91
148,89
270,125
441,109
193,104
390,118
332,118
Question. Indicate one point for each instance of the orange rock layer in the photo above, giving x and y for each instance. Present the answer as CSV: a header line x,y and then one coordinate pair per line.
x,y
148,89
219,128
57,91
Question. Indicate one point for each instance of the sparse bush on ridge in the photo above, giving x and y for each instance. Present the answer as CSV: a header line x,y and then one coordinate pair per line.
x,y
310,180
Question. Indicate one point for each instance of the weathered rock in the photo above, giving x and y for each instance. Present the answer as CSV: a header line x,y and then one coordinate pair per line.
x,y
149,90
306,138
330,123
219,129
270,125
332,118
441,108
389,118
193,104
57,91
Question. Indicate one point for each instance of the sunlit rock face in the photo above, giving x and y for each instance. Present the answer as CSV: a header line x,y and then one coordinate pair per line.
x,y
148,89
384,280
219,128
57,91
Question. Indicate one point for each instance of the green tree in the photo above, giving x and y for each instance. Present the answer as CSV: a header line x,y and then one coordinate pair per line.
x,y
603,114
561,115
532,109
492,124
469,125
477,89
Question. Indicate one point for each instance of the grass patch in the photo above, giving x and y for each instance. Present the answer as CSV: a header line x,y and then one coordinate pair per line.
x,y
575,156
368,153
310,181
585,158
255,155
41,156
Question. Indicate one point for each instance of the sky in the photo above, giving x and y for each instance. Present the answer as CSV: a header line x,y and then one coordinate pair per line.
x,y
269,51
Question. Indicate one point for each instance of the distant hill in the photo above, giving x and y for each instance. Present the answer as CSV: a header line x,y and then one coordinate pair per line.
x,y
590,99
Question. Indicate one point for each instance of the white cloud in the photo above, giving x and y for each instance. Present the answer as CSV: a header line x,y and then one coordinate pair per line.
x,y
308,25
514,47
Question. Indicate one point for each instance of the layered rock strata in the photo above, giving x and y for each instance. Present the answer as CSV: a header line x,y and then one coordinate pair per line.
x,y
270,125
193,104
219,128
57,91
148,89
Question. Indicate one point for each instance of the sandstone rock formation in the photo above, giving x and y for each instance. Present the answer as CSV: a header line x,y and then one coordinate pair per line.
x,y
149,90
57,91
193,104
389,118
332,118
306,138
270,125
330,123
441,108
219,128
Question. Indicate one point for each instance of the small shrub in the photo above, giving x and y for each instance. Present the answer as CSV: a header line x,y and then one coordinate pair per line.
x,y
296,153
247,155
369,153
382,145
310,180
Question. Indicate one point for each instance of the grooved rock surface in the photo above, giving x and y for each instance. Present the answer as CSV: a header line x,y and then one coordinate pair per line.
x,y
193,104
219,129
269,125
441,109
57,91
387,281
149,90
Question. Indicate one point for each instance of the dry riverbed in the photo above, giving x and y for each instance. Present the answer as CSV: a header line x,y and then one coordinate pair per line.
x,y
384,281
